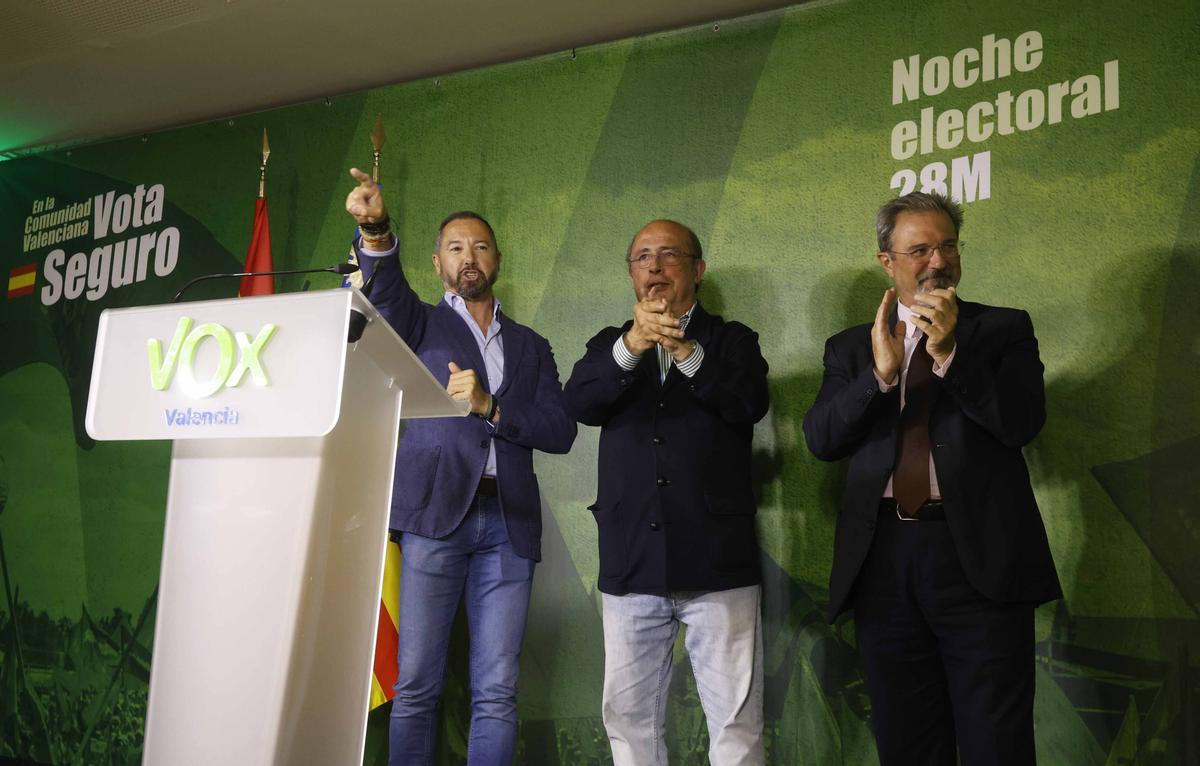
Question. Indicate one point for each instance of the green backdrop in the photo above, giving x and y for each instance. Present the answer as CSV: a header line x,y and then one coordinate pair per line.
x,y
773,137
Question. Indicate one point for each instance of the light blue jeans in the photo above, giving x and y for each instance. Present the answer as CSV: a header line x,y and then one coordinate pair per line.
x,y
724,640
477,563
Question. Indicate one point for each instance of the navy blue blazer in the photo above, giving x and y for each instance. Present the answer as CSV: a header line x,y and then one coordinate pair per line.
x,y
991,403
675,506
439,461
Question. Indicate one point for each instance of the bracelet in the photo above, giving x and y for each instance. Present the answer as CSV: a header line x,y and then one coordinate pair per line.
x,y
492,407
376,230
377,243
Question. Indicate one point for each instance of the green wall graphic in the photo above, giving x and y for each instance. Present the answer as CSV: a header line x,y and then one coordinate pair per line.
x,y
1070,128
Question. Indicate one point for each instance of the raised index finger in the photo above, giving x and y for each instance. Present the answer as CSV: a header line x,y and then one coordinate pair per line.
x,y
363,178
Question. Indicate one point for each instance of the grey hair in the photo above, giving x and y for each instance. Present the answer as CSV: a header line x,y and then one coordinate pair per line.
x,y
916,202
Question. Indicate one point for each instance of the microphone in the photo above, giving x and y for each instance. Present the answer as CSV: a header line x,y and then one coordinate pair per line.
x,y
338,268
358,320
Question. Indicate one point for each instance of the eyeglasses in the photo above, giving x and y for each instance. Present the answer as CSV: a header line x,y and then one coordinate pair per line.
x,y
947,249
666,256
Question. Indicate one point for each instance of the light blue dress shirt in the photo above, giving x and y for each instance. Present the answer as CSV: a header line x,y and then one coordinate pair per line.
x,y
491,348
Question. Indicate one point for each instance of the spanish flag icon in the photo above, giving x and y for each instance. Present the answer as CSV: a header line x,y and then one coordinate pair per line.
x,y
20,280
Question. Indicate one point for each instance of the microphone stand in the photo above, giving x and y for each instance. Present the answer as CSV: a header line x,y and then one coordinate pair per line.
x,y
340,268
358,320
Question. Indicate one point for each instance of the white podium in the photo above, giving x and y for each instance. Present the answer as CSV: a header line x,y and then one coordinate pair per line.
x,y
281,481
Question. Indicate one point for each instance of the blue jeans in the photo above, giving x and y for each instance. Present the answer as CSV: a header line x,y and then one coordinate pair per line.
x,y
477,563
724,642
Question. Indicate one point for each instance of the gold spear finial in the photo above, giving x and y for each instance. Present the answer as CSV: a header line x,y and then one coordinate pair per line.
x,y
378,137
262,169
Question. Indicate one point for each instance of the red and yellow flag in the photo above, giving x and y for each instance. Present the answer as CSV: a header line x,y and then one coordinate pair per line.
x,y
259,256
21,280
383,679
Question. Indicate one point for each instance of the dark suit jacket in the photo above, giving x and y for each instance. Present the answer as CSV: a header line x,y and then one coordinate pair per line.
x,y
675,508
439,461
991,403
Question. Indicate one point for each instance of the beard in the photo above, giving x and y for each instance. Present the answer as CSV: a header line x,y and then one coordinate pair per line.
x,y
935,279
474,289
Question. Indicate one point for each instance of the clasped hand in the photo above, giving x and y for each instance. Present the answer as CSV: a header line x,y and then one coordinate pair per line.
x,y
652,326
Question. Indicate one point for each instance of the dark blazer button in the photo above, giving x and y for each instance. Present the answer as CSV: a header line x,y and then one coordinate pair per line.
x,y
483,443
654,525
870,523
663,482
657,440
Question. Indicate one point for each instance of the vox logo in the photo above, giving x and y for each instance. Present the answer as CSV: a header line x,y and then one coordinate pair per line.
x,y
181,354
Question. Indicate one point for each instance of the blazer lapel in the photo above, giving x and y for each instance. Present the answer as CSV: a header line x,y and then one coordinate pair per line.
x,y
514,347
963,330
465,340
967,322
700,327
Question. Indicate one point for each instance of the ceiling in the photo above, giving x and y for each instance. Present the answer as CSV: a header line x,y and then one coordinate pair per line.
x,y
86,70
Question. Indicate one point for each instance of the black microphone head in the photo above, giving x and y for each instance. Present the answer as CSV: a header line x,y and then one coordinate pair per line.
x,y
343,268
358,323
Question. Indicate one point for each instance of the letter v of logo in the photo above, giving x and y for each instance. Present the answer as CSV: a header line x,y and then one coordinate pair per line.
x,y
162,369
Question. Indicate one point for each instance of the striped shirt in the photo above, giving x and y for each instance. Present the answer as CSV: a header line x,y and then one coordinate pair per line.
x,y
627,360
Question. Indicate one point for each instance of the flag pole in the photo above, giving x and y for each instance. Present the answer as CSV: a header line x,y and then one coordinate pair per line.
x,y
386,665
378,137
258,257
262,169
